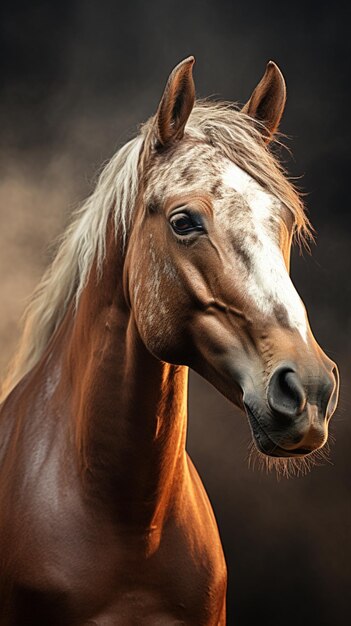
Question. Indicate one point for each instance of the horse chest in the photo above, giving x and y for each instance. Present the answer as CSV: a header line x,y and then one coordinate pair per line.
x,y
67,575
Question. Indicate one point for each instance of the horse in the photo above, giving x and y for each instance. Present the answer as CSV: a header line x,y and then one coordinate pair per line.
x,y
178,259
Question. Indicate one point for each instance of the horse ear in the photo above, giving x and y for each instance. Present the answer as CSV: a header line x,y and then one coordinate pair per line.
x,y
267,101
176,103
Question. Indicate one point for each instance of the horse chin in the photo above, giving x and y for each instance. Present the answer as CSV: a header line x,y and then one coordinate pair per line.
x,y
264,454
266,446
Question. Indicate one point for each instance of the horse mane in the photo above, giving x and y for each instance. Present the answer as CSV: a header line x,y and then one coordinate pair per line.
x,y
81,243
220,123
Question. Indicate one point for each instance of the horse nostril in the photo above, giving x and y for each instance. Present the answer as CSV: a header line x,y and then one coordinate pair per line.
x,y
285,392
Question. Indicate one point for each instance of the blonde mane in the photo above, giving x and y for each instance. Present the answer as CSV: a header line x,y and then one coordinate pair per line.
x,y
223,125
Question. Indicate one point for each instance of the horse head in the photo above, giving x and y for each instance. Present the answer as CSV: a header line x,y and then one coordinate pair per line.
x,y
207,262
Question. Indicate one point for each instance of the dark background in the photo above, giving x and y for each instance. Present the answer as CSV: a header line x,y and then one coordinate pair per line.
x,y
78,77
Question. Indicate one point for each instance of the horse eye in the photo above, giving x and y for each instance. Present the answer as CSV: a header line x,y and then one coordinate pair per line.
x,y
183,223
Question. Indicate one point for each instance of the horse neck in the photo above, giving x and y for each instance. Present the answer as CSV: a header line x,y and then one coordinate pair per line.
x,y
128,408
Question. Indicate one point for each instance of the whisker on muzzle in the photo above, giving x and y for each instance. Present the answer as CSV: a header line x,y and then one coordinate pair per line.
x,y
289,467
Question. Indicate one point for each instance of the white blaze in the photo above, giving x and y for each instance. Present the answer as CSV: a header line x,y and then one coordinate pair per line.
x,y
269,283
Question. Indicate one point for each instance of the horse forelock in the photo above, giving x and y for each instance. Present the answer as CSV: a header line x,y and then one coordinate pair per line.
x,y
231,133
236,136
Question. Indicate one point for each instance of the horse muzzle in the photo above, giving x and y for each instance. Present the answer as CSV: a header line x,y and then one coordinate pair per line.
x,y
293,421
